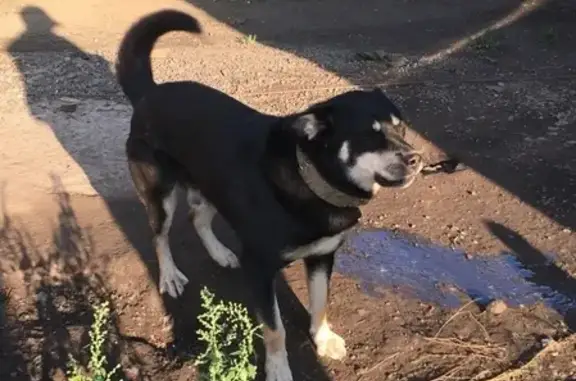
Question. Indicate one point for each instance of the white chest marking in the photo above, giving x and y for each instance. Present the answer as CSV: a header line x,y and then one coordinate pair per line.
x,y
322,246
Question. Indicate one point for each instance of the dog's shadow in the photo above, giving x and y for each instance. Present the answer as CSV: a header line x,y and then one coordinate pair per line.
x,y
226,284
542,271
88,142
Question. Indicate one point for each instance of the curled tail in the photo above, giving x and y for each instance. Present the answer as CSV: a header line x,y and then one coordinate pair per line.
x,y
133,66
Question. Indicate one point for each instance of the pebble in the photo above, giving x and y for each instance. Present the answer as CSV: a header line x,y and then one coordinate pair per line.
x,y
546,341
133,373
497,307
69,100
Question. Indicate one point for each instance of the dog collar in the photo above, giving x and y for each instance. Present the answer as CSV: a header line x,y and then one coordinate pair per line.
x,y
321,188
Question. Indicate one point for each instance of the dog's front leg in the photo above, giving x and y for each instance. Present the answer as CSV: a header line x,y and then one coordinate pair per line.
x,y
268,312
319,271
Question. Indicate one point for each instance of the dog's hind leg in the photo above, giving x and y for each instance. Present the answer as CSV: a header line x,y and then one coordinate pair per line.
x,y
156,188
202,213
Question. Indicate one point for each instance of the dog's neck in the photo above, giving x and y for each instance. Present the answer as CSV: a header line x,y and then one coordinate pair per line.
x,y
321,187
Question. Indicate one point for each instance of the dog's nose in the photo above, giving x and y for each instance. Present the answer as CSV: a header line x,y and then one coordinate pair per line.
x,y
412,159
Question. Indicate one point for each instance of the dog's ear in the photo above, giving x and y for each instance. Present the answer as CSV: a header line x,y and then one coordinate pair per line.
x,y
309,125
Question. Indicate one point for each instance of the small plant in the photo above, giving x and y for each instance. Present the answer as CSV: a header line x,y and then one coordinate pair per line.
x,y
248,39
229,335
96,370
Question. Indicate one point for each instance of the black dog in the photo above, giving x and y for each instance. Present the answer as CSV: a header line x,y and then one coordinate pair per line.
x,y
290,187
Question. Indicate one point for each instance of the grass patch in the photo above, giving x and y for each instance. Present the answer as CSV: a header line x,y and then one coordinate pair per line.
x,y
226,330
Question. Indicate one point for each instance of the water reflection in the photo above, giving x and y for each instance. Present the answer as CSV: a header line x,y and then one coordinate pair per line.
x,y
433,273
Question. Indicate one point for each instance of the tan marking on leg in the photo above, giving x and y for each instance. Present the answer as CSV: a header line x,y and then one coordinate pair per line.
x,y
274,341
277,366
327,342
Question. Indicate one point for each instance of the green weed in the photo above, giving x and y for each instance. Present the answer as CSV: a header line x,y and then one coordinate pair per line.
x,y
248,39
228,332
97,366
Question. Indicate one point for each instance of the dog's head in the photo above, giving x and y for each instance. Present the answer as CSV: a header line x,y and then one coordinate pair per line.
x,y
356,142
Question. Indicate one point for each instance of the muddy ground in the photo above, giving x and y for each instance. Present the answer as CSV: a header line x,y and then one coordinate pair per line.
x,y
489,82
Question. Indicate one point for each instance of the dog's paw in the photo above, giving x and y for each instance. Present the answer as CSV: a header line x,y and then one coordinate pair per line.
x,y
329,344
277,368
172,281
225,257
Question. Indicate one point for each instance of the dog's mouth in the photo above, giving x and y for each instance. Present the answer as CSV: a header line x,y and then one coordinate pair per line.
x,y
402,183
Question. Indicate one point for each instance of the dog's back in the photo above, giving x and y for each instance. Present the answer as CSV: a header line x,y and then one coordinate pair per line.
x,y
183,117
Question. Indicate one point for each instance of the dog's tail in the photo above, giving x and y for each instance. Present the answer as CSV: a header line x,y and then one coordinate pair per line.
x,y
133,66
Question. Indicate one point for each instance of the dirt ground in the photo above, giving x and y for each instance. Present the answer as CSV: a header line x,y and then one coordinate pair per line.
x,y
492,83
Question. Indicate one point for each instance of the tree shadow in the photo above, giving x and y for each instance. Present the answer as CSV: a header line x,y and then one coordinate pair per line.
x,y
61,289
88,140
556,283
460,70
12,363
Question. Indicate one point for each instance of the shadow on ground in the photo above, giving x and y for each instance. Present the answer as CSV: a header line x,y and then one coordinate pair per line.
x,y
12,363
55,314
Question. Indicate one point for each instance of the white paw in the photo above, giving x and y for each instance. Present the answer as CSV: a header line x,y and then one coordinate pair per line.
x,y
277,368
172,281
224,257
329,344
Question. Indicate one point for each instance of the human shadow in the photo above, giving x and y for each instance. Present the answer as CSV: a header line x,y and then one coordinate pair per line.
x,y
461,71
76,82
556,283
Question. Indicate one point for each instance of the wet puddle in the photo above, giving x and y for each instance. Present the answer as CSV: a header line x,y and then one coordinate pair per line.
x,y
437,274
